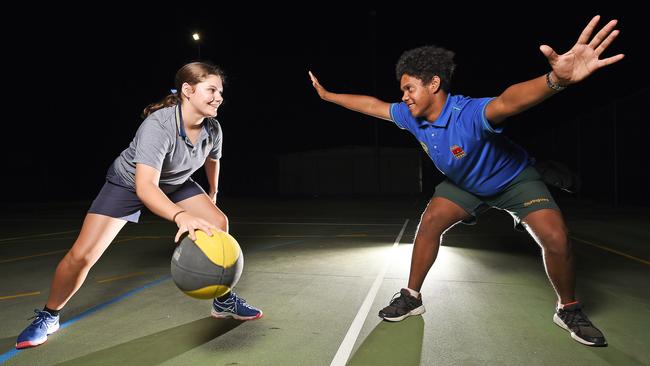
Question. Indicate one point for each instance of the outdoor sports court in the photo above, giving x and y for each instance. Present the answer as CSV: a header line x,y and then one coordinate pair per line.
x,y
321,269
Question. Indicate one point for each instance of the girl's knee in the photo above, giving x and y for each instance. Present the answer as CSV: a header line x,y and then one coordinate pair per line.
x,y
221,222
76,259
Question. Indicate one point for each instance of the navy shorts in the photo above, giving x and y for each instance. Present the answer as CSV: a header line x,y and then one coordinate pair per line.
x,y
123,203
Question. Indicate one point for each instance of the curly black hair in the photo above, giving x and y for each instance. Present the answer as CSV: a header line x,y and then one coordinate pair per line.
x,y
426,62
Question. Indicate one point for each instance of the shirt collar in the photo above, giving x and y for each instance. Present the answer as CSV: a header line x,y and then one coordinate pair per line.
x,y
179,122
181,126
445,114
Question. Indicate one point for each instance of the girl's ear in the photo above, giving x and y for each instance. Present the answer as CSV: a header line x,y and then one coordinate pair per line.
x,y
186,90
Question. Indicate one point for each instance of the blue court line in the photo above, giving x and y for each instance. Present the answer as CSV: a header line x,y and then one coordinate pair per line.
x,y
7,355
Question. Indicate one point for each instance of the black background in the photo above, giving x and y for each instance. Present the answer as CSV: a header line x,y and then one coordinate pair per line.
x,y
75,84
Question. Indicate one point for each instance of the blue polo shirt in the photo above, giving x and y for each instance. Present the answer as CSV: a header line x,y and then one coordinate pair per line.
x,y
464,146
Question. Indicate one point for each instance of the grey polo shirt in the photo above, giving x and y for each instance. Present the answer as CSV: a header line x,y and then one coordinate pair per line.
x,y
161,143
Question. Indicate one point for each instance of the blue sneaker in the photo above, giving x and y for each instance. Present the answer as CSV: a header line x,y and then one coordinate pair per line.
x,y
36,333
235,307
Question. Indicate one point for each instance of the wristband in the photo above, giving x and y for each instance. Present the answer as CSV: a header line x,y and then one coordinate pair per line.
x,y
553,85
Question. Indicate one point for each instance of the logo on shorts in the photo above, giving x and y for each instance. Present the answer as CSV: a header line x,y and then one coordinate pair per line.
x,y
457,151
536,200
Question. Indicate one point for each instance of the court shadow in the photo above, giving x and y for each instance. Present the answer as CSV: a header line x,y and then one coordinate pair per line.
x,y
8,343
398,343
160,346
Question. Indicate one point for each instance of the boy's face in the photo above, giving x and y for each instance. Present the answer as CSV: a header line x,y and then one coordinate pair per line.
x,y
416,95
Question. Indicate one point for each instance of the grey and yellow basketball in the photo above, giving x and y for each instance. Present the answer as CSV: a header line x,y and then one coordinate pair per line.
x,y
207,267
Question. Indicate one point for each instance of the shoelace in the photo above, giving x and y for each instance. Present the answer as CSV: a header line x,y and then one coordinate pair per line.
x,y
578,317
401,299
393,299
235,301
39,317
241,301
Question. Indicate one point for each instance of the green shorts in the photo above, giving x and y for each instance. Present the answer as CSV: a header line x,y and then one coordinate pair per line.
x,y
525,194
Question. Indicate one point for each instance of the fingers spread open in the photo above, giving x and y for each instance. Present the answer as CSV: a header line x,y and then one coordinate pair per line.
x,y
178,234
586,33
610,38
610,60
206,229
192,235
548,52
602,34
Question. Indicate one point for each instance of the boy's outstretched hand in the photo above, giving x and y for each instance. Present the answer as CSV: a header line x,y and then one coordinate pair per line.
x,y
319,88
582,59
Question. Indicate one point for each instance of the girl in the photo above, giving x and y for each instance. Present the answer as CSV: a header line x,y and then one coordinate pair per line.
x,y
178,136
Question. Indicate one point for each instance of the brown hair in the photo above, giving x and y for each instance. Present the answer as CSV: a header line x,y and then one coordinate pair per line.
x,y
192,73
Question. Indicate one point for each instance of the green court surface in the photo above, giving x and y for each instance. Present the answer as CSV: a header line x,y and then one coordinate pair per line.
x,y
321,269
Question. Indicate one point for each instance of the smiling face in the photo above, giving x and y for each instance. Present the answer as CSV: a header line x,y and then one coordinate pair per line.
x,y
206,96
417,96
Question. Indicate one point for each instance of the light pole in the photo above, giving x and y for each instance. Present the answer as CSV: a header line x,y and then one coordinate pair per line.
x,y
197,38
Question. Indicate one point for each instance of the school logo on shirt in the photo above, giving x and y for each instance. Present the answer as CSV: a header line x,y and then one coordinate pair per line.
x,y
457,151
424,146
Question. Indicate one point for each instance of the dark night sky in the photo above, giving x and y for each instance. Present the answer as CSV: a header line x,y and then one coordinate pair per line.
x,y
76,85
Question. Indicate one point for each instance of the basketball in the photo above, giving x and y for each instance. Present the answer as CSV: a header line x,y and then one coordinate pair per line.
x,y
207,267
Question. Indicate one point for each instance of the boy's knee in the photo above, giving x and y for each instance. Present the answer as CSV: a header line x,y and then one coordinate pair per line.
x,y
557,242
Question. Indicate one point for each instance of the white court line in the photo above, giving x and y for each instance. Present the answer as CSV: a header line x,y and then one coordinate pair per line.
x,y
342,355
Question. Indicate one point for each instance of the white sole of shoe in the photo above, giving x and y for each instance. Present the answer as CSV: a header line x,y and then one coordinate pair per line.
x,y
417,311
225,315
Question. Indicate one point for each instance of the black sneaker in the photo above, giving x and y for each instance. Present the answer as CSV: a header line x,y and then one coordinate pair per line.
x,y
402,307
572,319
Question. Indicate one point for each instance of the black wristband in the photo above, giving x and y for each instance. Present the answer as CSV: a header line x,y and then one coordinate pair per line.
x,y
176,214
